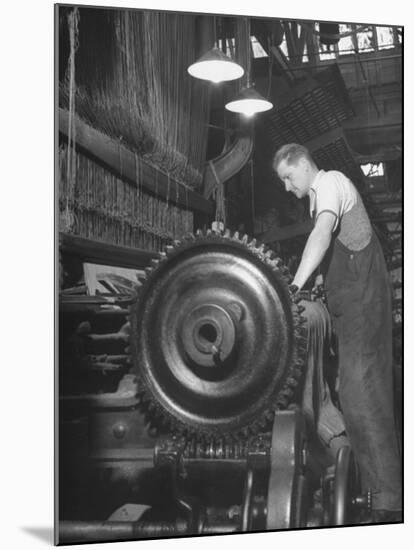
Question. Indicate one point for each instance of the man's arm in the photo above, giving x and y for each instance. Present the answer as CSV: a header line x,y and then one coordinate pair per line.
x,y
316,246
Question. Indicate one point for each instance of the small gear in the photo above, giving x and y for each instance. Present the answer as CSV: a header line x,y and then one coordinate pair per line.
x,y
216,341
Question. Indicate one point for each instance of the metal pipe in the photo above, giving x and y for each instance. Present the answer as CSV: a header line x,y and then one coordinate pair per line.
x,y
101,531
109,337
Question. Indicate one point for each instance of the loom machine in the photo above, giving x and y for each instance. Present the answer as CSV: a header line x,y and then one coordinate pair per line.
x,y
181,408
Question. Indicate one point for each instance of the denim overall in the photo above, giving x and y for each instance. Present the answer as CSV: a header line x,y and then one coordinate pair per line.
x,y
359,300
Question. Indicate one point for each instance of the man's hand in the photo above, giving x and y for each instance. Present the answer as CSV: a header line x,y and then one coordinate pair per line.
x,y
318,290
294,293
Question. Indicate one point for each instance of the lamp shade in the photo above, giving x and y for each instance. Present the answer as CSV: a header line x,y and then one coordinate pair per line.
x,y
249,102
215,66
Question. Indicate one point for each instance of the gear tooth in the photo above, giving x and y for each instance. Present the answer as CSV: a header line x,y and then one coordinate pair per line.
x,y
297,373
209,232
162,422
262,248
252,243
254,428
245,239
269,254
163,255
236,236
262,422
127,326
141,391
199,233
168,249
245,431
292,382
227,233
302,342
282,402
300,363
152,431
303,331
155,263
176,242
146,399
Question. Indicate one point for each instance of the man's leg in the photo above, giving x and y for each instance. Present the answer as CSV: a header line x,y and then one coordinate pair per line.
x,y
366,398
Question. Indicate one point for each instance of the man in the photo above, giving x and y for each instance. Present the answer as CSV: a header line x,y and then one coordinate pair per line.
x,y
359,301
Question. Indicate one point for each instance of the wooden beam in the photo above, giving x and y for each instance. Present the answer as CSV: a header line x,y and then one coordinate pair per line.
x,y
122,161
98,252
286,232
324,139
384,154
283,63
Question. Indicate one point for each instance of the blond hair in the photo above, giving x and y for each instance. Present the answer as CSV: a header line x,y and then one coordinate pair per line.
x,y
291,153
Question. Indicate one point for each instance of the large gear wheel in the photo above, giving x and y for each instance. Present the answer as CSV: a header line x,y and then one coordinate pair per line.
x,y
216,342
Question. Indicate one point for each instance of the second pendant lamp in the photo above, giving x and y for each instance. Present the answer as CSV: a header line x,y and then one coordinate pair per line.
x,y
248,101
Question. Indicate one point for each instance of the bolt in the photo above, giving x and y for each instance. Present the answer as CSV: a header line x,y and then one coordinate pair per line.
x,y
119,430
304,455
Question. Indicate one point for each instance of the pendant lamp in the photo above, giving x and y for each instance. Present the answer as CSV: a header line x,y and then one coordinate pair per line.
x,y
248,101
215,66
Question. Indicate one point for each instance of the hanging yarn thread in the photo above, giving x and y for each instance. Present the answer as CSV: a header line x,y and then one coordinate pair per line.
x,y
67,217
220,217
131,81
129,85
112,210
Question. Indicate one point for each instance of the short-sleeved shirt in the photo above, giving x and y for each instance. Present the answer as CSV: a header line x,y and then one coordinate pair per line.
x,y
333,192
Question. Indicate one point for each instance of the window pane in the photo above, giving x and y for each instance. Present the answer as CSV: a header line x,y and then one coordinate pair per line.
x,y
365,40
345,44
258,51
325,53
385,37
305,57
284,48
372,169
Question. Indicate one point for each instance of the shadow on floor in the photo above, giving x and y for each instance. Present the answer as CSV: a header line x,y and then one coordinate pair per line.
x,y
43,533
